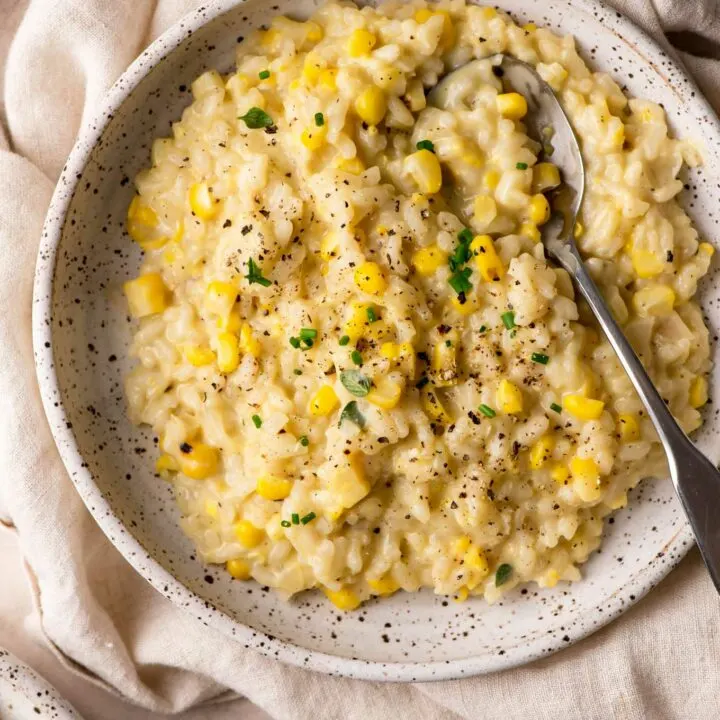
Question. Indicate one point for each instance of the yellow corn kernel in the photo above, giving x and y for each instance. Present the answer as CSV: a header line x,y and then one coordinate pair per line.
x,y
200,461
551,578
586,478
371,105
546,176
360,43
343,599
461,595
423,15
583,408
460,546
560,474
248,343
166,463
385,585
433,407
488,13
212,509
508,398
268,37
617,136
539,211
424,168
471,304
698,392
646,263
357,323
530,230
489,263
238,568
476,560
429,259
706,249
353,165
141,225
295,84
385,394
390,350
232,323
529,27
491,179
511,105
370,279
247,534
220,297
541,452
313,138
202,202
328,79
578,230
228,352
654,300
448,32
324,401
199,356
484,210
272,487
314,32
146,295
629,427
313,67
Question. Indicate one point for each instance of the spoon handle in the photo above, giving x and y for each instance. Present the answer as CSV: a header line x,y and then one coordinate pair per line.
x,y
696,479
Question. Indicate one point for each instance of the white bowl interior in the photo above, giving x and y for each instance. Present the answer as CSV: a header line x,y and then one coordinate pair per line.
x,y
405,637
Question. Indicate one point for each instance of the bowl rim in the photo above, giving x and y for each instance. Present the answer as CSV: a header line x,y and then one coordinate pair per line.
x,y
130,547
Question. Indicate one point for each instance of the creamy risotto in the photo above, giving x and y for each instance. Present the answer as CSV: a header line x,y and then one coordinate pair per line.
x,y
364,374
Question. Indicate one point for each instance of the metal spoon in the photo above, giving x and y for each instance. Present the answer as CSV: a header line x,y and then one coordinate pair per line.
x,y
696,479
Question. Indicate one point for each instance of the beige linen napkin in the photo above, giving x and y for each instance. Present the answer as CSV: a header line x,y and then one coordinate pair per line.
x,y
661,660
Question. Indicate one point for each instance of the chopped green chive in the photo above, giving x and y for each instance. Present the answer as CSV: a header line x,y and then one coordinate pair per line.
x,y
344,340
256,118
487,411
255,274
264,74
304,440
465,236
540,358
295,342
508,319
448,343
297,371
371,315
308,333
285,523
503,574
459,281
521,166
482,328
308,518
556,407
356,357
257,421
319,119
295,519
425,145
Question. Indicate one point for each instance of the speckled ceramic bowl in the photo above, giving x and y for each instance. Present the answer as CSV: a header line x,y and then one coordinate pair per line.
x,y
81,337
24,695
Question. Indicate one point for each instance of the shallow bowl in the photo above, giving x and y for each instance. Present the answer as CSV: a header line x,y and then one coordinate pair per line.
x,y
81,337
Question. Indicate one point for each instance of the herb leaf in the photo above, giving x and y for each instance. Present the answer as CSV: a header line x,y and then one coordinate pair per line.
x,y
461,254
256,118
503,574
508,319
255,274
425,145
355,382
351,412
